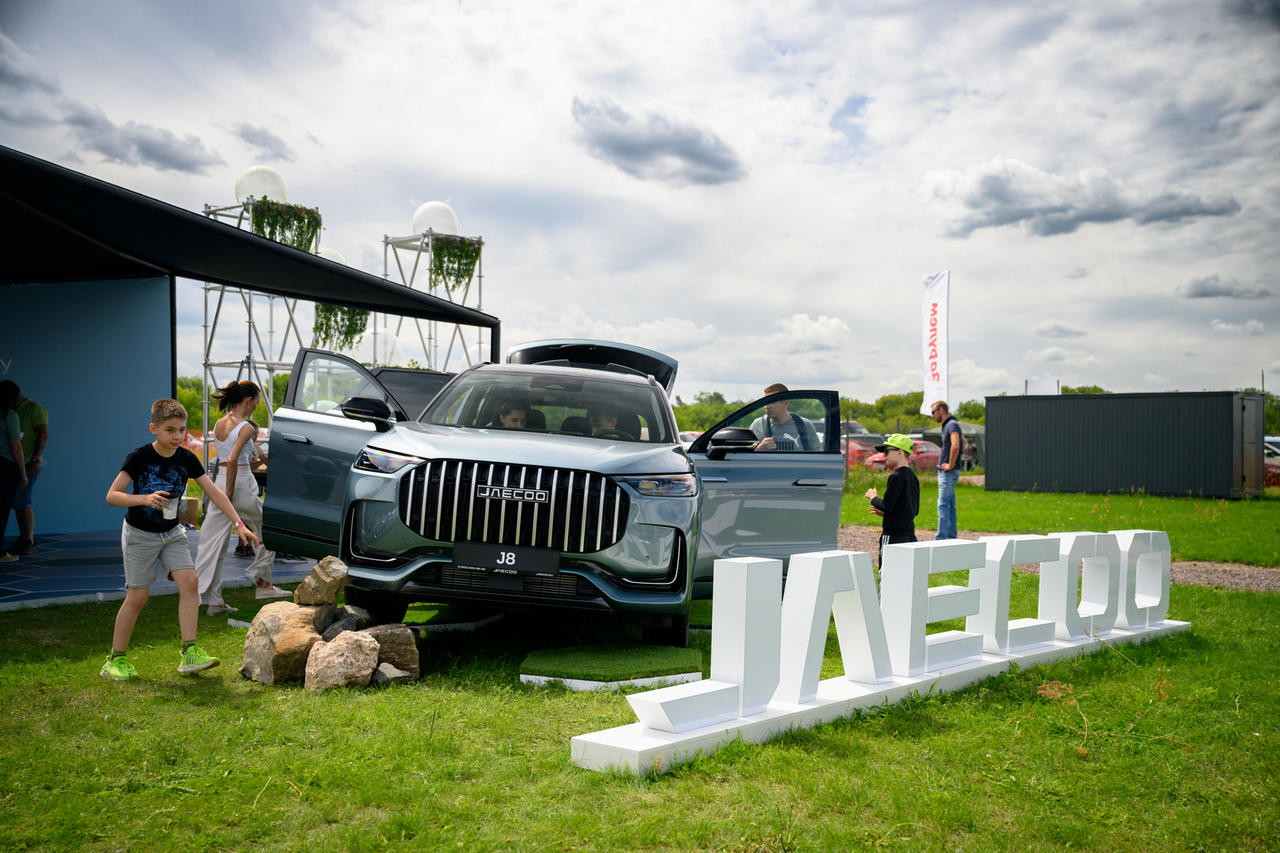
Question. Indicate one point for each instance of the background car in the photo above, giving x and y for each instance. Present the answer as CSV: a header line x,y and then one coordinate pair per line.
x,y
857,448
924,457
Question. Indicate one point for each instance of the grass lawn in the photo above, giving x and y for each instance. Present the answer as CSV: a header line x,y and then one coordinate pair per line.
x,y
1173,745
1244,531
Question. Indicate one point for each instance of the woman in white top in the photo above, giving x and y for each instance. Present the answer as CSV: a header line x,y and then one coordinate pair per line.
x,y
232,434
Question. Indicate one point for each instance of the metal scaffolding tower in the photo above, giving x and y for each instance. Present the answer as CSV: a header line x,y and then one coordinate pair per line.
x,y
260,358
437,336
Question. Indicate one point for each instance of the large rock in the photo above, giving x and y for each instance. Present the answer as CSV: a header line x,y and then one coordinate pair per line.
x,y
351,611
322,585
388,674
347,624
349,661
397,646
280,639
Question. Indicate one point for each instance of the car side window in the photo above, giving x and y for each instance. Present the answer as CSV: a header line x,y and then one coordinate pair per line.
x,y
327,381
796,425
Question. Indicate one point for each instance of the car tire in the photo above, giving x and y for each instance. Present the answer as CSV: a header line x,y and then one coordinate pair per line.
x,y
676,634
383,609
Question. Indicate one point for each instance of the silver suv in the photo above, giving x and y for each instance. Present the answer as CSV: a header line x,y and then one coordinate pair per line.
x,y
589,504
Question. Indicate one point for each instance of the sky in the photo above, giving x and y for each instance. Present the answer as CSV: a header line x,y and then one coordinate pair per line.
x,y
756,188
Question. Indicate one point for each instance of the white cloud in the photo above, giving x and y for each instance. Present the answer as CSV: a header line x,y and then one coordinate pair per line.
x,y
800,333
1249,327
1075,358
1059,329
658,142
1008,192
1157,379
1202,288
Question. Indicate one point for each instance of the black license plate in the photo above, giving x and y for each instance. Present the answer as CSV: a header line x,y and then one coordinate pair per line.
x,y
506,559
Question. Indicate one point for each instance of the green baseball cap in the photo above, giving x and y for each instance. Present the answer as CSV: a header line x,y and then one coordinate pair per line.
x,y
897,440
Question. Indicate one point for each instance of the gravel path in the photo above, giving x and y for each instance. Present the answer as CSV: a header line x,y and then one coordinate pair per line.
x,y
1194,572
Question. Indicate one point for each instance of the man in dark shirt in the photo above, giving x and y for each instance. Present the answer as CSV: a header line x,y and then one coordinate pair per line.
x,y
948,470
901,501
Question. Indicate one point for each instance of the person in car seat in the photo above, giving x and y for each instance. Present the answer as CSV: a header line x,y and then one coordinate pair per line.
x,y
512,414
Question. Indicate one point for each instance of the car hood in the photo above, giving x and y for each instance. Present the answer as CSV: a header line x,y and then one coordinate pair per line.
x,y
602,456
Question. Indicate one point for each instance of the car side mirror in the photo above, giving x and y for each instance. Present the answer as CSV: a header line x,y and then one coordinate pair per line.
x,y
731,440
370,409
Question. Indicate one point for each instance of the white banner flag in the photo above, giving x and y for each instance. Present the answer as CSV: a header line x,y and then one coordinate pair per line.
x,y
933,316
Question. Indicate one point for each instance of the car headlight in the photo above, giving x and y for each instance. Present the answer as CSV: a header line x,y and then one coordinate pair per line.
x,y
383,461
670,486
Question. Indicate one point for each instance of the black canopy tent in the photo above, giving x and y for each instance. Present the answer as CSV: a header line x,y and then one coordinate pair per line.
x,y
65,226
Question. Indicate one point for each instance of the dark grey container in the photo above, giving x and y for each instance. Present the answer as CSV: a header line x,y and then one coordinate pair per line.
x,y
1202,444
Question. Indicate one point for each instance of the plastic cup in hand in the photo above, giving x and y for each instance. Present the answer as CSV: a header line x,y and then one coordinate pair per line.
x,y
171,508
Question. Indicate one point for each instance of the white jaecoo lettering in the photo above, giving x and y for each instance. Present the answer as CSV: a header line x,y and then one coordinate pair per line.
x,y
767,650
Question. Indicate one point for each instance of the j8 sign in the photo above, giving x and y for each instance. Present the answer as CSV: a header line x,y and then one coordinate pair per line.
x,y
766,648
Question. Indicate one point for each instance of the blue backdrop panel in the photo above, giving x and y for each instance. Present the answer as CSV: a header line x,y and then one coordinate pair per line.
x,y
96,354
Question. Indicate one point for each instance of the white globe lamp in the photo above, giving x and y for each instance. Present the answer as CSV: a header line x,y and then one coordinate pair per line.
x,y
437,216
261,182
331,255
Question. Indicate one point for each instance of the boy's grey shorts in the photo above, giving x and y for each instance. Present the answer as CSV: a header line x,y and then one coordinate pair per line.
x,y
144,550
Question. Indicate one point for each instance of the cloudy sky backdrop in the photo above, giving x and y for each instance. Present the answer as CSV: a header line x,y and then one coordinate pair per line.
x,y
757,188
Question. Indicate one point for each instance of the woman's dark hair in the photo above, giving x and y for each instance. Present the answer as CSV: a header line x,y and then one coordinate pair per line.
x,y
506,407
236,393
9,395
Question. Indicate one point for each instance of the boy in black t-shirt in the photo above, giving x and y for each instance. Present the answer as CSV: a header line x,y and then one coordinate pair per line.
x,y
901,502
151,534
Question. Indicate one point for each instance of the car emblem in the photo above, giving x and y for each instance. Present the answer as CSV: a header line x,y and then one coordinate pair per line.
x,y
506,493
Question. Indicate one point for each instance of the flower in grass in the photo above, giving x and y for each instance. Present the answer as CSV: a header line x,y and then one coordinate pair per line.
x,y
1055,690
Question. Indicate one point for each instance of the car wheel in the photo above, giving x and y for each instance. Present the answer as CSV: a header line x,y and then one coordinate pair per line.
x,y
676,634
383,609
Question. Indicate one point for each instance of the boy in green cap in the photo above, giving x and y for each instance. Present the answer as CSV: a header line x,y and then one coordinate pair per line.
x,y
901,502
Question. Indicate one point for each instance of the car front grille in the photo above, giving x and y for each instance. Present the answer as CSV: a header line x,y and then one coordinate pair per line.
x,y
562,585
583,511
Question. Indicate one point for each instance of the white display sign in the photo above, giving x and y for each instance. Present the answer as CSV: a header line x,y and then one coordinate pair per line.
x,y
767,648
933,320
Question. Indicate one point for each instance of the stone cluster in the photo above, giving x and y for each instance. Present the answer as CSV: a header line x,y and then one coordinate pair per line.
x,y
312,640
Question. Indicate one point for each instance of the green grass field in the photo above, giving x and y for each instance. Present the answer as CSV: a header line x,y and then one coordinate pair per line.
x,y
1173,745
1244,531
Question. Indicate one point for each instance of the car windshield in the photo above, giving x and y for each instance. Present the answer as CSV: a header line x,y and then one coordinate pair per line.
x,y
547,401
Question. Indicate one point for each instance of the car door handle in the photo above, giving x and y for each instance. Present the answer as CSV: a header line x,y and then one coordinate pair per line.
x,y
810,482
300,439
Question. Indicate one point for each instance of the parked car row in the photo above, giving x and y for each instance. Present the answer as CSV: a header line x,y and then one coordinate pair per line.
x,y
924,457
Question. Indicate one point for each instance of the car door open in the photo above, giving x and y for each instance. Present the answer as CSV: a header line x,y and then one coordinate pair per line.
x,y
312,447
772,478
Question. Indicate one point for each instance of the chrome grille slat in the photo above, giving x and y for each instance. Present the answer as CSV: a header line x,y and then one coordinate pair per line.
x,y
432,506
453,516
426,487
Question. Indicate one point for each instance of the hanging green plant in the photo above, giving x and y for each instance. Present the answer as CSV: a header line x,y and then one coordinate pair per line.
x,y
291,224
453,261
335,327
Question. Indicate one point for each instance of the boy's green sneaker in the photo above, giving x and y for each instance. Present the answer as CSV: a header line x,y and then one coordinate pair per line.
x,y
119,668
194,659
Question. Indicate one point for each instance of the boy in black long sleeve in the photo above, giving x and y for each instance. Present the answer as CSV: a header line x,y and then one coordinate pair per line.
x,y
901,501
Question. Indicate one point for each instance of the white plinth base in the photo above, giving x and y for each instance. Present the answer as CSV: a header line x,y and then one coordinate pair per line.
x,y
587,686
640,749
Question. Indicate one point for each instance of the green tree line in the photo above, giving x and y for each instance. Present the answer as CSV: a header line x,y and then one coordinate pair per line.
x,y
888,414
895,412
189,395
